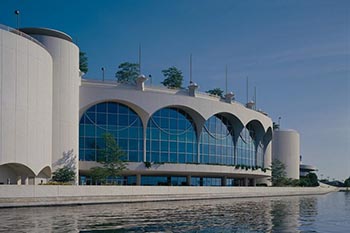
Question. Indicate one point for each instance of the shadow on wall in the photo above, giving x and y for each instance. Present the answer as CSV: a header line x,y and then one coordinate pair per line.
x,y
67,160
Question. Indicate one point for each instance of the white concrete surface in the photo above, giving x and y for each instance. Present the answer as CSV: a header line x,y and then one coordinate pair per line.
x,y
36,195
286,148
25,108
66,81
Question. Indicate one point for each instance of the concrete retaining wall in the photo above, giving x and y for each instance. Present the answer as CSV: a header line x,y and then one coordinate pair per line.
x,y
42,195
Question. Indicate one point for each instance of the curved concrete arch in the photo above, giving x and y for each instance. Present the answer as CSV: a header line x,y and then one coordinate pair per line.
x,y
20,168
258,127
192,112
234,120
152,99
267,137
137,109
45,172
16,173
197,118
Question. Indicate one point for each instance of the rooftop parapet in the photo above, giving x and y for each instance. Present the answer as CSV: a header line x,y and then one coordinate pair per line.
x,y
47,32
20,33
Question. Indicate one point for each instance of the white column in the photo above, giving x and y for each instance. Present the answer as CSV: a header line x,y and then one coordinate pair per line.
x,y
138,179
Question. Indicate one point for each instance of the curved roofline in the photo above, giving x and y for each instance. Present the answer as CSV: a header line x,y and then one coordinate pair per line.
x,y
47,32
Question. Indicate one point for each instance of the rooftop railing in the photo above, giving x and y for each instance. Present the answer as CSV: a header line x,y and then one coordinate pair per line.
x,y
17,32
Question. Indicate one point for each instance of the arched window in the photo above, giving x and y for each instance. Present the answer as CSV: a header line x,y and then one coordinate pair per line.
x,y
246,151
114,118
217,145
171,137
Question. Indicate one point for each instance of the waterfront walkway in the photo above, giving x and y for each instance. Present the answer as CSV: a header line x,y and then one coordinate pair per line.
x,y
55,195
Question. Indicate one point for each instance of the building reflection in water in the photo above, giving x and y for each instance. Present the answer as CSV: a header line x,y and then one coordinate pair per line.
x,y
293,213
287,214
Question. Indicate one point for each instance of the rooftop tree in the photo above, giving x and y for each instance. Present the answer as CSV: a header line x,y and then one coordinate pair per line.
x,y
83,62
128,72
216,91
173,77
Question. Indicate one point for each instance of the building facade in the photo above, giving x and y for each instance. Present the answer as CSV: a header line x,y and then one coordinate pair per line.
x,y
50,117
286,149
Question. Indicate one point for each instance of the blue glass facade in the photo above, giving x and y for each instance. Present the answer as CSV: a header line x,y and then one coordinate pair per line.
x,y
217,141
171,137
109,117
246,152
260,155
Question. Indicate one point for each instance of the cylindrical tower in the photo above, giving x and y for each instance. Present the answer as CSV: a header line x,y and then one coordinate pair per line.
x,y
25,108
286,148
66,81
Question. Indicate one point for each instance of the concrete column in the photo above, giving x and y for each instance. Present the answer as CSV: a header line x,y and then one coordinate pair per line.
x,y
188,180
26,181
169,180
246,181
224,181
19,180
138,179
254,182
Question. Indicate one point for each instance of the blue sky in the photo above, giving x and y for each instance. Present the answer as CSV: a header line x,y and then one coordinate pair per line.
x,y
296,53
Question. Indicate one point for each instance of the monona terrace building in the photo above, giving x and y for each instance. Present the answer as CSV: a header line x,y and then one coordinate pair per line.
x,y
50,117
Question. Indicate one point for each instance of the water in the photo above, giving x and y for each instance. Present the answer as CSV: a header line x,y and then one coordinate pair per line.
x,y
324,213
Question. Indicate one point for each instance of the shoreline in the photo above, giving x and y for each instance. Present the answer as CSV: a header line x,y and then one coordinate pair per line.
x,y
44,196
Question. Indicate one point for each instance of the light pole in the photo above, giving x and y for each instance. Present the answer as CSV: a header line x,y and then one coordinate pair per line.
x,y
17,13
150,77
103,74
279,122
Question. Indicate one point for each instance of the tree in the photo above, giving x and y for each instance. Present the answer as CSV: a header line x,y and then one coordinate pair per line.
x,y
173,77
347,182
83,62
128,72
111,160
64,175
98,174
278,173
216,91
310,180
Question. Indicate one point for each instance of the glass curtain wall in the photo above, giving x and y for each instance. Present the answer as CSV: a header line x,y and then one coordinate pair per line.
x,y
114,118
217,144
246,149
171,137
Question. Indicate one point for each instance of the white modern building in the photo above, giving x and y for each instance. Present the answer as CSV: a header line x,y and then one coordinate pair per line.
x,y
50,117
286,148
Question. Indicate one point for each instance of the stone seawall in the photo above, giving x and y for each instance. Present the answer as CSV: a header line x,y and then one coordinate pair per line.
x,y
51,195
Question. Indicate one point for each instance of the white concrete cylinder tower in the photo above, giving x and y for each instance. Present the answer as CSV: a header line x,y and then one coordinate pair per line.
x,y
66,81
286,148
25,109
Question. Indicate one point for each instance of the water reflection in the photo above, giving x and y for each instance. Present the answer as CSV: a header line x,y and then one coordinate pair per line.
x,y
287,214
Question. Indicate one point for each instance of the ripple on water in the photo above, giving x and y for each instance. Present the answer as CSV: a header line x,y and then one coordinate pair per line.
x,y
326,213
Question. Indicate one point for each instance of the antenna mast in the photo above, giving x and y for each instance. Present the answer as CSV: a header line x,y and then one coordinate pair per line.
x,y
247,90
191,68
140,58
226,79
255,97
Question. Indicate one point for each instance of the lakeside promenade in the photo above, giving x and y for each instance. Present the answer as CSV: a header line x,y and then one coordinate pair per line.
x,y
56,195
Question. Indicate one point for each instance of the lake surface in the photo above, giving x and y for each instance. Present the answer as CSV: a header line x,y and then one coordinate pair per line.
x,y
321,213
